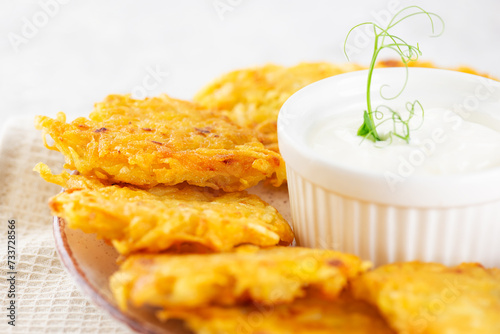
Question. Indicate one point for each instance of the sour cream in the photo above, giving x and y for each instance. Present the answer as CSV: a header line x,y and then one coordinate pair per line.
x,y
444,142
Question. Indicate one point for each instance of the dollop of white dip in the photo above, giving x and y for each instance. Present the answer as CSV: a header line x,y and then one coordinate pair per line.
x,y
445,143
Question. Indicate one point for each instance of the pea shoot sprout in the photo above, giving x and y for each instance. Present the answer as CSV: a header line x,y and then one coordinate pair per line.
x,y
374,117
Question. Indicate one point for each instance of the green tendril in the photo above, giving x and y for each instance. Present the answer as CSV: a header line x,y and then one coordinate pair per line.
x,y
407,53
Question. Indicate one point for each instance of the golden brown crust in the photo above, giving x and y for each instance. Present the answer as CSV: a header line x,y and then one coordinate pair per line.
x,y
429,64
165,218
253,97
162,141
266,276
304,316
430,298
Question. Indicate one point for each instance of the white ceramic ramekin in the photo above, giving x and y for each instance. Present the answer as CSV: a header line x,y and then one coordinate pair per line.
x,y
443,218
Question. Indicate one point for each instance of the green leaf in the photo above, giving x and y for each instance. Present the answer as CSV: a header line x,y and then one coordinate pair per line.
x,y
366,129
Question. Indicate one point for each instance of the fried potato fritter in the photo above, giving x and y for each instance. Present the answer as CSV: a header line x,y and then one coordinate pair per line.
x,y
164,217
253,97
428,64
303,316
265,276
430,298
162,140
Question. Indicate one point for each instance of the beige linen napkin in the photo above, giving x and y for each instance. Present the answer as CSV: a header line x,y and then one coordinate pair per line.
x,y
46,297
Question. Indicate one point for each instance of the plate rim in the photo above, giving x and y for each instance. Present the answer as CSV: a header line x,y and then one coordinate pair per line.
x,y
72,266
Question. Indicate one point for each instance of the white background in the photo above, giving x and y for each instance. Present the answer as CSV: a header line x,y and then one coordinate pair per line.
x,y
80,51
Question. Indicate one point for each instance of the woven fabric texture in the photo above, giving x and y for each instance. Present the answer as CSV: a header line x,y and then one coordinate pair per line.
x,y
47,299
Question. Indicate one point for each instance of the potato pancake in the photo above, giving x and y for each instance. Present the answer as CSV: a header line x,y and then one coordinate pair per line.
x,y
430,298
165,218
253,97
428,64
303,316
265,276
162,140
